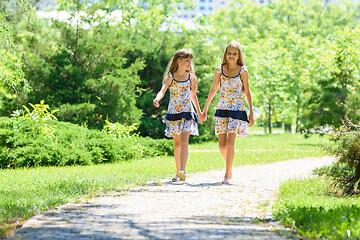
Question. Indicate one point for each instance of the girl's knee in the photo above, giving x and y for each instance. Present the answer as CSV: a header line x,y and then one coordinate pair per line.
x,y
177,143
222,146
230,145
184,143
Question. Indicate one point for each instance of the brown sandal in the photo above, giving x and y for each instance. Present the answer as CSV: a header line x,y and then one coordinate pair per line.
x,y
181,175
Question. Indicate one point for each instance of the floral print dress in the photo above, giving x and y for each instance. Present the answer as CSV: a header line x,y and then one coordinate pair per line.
x,y
180,116
230,114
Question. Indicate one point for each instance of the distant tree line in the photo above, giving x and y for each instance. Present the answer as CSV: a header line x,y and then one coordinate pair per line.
x,y
302,58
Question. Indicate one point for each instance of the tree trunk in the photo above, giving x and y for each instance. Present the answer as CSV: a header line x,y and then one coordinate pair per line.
x,y
297,118
357,178
287,127
269,117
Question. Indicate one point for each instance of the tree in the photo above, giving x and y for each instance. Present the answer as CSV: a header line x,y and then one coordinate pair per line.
x,y
335,94
12,75
291,36
75,65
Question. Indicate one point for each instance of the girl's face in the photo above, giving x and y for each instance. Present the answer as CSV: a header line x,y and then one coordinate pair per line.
x,y
185,63
232,54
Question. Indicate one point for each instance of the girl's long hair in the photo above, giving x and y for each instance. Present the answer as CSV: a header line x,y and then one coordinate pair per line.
x,y
173,66
236,45
240,61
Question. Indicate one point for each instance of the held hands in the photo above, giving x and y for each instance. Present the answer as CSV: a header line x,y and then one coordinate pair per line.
x,y
204,112
156,102
201,117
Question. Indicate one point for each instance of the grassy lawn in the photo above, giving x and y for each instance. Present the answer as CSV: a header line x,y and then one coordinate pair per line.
x,y
306,205
25,192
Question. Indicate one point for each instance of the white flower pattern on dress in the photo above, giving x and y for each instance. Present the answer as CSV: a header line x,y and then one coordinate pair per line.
x,y
180,102
231,98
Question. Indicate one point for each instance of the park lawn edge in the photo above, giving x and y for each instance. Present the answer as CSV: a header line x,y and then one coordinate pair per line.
x,y
11,226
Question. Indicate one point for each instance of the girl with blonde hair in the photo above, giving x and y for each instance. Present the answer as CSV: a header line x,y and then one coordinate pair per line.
x,y
231,118
180,120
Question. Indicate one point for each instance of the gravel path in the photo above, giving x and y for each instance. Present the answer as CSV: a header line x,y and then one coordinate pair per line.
x,y
200,208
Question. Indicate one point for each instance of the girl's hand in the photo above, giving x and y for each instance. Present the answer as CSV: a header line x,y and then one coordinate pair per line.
x,y
204,114
201,117
251,119
156,102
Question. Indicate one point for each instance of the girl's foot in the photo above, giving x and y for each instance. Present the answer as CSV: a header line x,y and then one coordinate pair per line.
x,y
181,174
175,179
226,181
229,177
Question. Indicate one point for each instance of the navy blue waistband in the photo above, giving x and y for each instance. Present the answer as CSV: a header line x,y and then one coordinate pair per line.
x,y
183,115
241,115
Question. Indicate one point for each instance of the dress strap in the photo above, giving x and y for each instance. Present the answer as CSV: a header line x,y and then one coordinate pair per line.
x,y
243,69
171,77
191,77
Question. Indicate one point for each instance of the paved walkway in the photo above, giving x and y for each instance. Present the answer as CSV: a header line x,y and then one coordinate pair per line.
x,y
200,208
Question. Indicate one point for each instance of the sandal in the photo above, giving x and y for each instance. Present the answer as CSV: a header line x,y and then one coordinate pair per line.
x,y
226,181
181,175
175,179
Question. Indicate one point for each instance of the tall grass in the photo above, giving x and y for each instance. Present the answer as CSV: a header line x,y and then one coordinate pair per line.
x,y
25,192
307,206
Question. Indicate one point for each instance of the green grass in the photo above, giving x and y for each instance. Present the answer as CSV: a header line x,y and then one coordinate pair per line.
x,y
272,142
25,192
307,206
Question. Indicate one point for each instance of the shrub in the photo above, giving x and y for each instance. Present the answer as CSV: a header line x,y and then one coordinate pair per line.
x,y
24,146
81,114
118,130
337,170
348,153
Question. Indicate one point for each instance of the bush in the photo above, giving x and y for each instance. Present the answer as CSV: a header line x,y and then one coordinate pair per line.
x,y
81,114
22,145
348,153
119,130
337,170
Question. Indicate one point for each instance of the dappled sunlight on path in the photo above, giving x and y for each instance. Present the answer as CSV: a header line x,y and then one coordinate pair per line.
x,y
200,208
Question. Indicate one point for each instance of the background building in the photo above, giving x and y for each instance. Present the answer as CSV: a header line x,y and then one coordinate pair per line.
x,y
205,7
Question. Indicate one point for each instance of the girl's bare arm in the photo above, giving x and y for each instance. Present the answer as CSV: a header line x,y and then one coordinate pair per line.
x,y
162,92
195,101
213,90
247,93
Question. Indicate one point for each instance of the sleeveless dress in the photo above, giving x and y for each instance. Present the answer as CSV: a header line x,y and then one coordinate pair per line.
x,y
230,114
180,116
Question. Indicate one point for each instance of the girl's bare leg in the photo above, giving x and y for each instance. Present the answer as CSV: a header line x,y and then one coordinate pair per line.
x,y
184,144
230,150
177,149
222,144
227,149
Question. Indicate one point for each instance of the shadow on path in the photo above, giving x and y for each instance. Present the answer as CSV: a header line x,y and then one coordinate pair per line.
x,y
131,226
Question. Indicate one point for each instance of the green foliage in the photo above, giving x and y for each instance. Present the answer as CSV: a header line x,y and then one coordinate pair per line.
x,y
79,66
118,130
306,206
337,170
40,114
337,83
23,146
284,43
81,114
12,74
302,68
346,172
